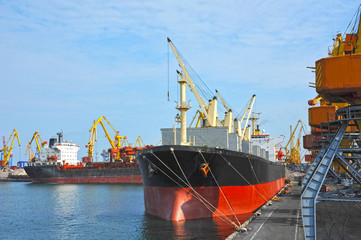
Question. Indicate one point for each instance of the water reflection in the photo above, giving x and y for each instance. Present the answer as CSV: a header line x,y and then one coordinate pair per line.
x,y
156,228
92,211
65,199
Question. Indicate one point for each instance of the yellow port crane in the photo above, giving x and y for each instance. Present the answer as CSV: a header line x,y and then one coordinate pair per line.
x,y
38,140
29,152
7,150
140,142
292,155
116,144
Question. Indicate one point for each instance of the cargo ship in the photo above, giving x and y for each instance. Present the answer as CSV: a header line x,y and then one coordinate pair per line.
x,y
57,163
216,169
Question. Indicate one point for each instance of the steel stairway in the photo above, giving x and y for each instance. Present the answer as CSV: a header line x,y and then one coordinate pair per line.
x,y
313,181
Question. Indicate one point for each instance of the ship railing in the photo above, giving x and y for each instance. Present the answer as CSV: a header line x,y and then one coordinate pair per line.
x,y
41,163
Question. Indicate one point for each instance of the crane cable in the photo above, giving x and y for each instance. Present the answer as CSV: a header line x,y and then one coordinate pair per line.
x,y
199,83
355,20
205,91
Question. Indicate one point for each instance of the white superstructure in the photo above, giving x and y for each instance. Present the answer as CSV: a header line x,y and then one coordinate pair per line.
x,y
59,153
270,144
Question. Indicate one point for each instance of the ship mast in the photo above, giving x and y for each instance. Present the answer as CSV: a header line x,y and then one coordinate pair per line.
x,y
183,108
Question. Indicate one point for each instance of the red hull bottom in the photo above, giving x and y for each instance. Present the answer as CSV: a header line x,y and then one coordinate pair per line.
x,y
98,179
177,204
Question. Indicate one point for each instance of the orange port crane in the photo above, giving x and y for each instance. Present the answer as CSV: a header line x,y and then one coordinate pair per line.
x,y
116,144
8,149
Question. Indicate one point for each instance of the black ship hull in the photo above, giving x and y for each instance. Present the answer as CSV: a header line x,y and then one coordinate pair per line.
x,y
102,173
182,182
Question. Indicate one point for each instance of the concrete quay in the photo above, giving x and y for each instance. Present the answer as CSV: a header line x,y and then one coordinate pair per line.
x,y
283,221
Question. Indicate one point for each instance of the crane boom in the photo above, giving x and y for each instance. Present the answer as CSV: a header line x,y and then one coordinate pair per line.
x,y
224,103
92,141
107,135
248,110
140,142
29,151
293,133
37,137
190,83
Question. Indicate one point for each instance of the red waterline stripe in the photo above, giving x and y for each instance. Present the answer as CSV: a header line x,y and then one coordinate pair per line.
x,y
176,204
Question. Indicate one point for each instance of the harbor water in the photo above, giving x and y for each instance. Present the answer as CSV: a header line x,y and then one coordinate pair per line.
x,y
91,211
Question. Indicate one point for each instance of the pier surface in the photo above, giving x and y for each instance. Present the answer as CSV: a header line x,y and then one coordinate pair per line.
x,y
282,220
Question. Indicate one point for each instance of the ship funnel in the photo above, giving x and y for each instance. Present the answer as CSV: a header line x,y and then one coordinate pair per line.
x,y
52,142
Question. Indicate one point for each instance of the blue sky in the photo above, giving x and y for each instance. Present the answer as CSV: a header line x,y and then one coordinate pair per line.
x,y
67,63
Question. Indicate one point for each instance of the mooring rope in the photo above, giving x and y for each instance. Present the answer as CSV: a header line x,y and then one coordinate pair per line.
x,y
196,194
254,173
224,196
175,180
230,164
175,157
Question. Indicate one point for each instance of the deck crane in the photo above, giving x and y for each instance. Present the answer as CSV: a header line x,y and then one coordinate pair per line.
x,y
227,122
209,111
238,123
115,144
292,155
223,102
7,149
